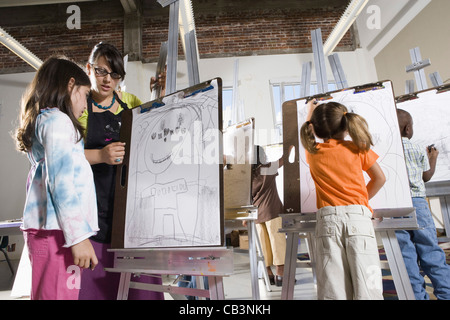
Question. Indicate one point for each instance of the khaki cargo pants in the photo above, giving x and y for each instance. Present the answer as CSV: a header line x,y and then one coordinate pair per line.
x,y
347,258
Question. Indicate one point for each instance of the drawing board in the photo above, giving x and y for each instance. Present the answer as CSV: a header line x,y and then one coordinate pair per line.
x,y
375,102
430,110
169,188
238,149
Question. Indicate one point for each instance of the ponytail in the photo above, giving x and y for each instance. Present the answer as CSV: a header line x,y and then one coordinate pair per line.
x,y
308,138
331,120
358,129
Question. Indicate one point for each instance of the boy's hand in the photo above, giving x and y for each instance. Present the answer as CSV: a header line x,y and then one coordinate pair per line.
x,y
432,152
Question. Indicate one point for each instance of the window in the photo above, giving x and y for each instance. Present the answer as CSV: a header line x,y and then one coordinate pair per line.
x,y
227,103
286,91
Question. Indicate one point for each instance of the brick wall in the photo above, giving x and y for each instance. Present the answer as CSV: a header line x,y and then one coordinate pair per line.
x,y
49,39
264,32
226,33
250,33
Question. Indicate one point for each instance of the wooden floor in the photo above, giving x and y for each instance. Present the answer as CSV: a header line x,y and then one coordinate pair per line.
x,y
236,287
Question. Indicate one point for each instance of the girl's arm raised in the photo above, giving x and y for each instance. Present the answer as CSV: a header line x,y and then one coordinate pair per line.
x,y
311,105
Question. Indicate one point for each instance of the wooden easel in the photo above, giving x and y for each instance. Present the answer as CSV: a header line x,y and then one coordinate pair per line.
x,y
296,223
214,263
418,65
441,189
239,149
256,258
211,262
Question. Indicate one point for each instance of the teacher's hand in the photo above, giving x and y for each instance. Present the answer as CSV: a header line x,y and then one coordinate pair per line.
x,y
113,153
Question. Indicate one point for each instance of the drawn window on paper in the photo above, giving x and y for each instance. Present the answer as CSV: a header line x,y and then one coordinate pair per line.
x,y
379,110
174,178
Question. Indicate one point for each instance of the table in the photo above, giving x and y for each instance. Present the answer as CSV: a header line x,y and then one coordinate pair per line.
x,y
10,227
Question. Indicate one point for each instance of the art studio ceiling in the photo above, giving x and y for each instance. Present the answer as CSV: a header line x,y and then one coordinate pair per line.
x,y
394,16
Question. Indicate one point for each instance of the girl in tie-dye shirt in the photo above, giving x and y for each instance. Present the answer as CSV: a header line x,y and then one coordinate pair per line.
x,y
60,212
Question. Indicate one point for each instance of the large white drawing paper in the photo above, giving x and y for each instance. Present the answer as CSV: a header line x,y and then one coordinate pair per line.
x,y
174,176
379,109
431,118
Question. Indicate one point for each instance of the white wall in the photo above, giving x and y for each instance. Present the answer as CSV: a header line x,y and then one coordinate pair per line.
x,y
14,165
382,20
255,75
429,31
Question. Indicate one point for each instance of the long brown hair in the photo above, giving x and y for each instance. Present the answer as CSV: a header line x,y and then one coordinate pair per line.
x,y
49,89
330,120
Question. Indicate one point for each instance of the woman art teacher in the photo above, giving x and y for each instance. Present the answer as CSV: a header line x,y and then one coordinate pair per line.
x,y
104,151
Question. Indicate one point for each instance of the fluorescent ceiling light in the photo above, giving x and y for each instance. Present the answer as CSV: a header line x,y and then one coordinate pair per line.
x,y
348,18
15,46
165,3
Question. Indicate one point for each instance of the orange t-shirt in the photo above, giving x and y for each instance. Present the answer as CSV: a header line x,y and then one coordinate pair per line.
x,y
337,169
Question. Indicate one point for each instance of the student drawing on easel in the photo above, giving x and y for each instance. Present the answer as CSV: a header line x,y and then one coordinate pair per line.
x,y
420,248
168,209
439,137
378,108
346,248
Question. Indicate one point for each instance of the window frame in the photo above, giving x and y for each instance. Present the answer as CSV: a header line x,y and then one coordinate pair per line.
x,y
282,95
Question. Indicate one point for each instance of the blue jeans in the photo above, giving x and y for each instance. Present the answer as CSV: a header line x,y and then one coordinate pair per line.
x,y
420,250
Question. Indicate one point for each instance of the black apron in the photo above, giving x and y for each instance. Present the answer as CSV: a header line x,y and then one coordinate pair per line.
x,y
103,128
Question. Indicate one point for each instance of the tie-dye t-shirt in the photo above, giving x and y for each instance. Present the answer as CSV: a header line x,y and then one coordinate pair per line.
x,y
60,185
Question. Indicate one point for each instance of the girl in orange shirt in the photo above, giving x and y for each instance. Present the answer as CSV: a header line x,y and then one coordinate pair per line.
x,y
347,258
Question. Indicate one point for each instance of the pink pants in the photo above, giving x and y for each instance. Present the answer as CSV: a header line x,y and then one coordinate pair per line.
x,y
102,285
54,276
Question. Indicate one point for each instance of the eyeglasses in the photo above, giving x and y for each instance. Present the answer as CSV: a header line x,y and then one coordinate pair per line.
x,y
103,73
